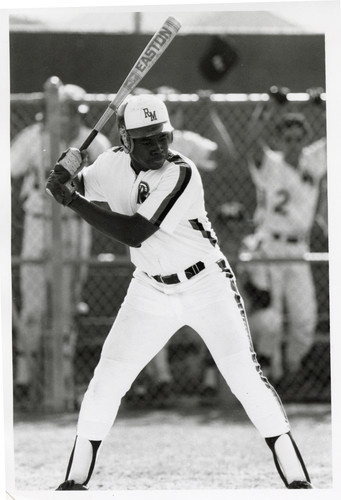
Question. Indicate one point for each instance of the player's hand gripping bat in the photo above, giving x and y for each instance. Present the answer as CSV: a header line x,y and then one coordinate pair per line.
x,y
152,52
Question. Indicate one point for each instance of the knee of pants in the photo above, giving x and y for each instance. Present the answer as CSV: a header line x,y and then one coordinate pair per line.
x,y
306,318
301,335
111,380
261,403
266,331
297,348
242,373
303,315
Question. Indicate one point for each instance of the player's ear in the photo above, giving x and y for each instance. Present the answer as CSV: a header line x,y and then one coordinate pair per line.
x,y
126,141
170,137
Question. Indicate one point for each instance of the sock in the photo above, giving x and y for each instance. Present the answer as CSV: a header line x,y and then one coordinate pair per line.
x,y
288,459
82,460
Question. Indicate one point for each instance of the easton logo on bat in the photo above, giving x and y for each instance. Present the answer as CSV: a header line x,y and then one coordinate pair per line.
x,y
132,79
149,56
154,48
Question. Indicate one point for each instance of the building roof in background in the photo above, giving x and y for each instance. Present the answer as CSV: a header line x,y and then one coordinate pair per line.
x,y
89,20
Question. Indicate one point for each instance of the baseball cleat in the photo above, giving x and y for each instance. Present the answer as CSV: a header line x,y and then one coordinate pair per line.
x,y
300,485
71,485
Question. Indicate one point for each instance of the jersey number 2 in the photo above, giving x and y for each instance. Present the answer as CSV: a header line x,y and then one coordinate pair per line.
x,y
281,206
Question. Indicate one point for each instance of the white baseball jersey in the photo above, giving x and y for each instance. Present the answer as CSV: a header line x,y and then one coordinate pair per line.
x,y
171,197
289,195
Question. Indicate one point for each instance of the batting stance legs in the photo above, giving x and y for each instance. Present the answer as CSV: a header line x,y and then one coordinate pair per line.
x,y
149,316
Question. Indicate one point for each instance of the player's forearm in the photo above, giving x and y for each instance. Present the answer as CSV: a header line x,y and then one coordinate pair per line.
x,y
259,123
130,230
257,133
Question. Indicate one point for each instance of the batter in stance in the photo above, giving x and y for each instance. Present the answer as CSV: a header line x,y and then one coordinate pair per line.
x,y
181,278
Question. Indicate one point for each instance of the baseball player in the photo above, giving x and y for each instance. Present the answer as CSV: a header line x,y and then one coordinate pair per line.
x,y
288,184
202,152
30,161
181,278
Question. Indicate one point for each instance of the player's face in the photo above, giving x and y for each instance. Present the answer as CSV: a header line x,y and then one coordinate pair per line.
x,y
293,137
150,153
293,140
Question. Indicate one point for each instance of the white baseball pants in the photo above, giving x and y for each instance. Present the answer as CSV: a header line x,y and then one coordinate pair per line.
x,y
150,314
292,284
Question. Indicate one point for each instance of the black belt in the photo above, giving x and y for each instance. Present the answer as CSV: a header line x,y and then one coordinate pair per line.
x,y
288,239
172,279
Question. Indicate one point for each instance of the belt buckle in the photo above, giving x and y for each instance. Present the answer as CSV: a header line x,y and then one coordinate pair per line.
x,y
196,268
158,278
165,279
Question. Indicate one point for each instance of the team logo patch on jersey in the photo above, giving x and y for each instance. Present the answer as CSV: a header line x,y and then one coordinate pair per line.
x,y
143,192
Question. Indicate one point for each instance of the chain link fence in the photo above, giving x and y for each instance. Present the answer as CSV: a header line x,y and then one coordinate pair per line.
x,y
230,201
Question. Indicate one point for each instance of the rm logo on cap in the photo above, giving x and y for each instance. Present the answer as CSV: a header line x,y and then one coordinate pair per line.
x,y
149,114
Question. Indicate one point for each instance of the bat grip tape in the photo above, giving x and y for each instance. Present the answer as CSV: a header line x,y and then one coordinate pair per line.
x,y
89,140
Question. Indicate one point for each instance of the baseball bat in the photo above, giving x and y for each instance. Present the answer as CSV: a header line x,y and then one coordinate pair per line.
x,y
152,52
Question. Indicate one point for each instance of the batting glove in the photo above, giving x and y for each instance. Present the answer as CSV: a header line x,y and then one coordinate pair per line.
x,y
71,161
60,192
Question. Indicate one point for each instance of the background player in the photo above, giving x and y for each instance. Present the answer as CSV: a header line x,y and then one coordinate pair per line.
x,y
288,183
30,163
181,278
264,319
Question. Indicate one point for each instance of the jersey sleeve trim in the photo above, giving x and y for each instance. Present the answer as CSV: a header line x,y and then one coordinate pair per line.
x,y
185,174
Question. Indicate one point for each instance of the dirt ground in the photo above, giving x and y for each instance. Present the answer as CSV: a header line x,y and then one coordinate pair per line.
x,y
187,448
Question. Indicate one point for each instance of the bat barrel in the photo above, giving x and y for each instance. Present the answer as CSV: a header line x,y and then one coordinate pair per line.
x,y
174,23
155,48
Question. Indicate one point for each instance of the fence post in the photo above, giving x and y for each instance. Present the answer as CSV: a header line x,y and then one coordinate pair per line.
x,y
54,385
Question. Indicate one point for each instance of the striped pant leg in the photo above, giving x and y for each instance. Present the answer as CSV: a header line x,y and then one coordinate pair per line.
x,y
218,315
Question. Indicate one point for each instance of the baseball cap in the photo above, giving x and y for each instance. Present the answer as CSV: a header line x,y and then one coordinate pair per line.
x,y
146,115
